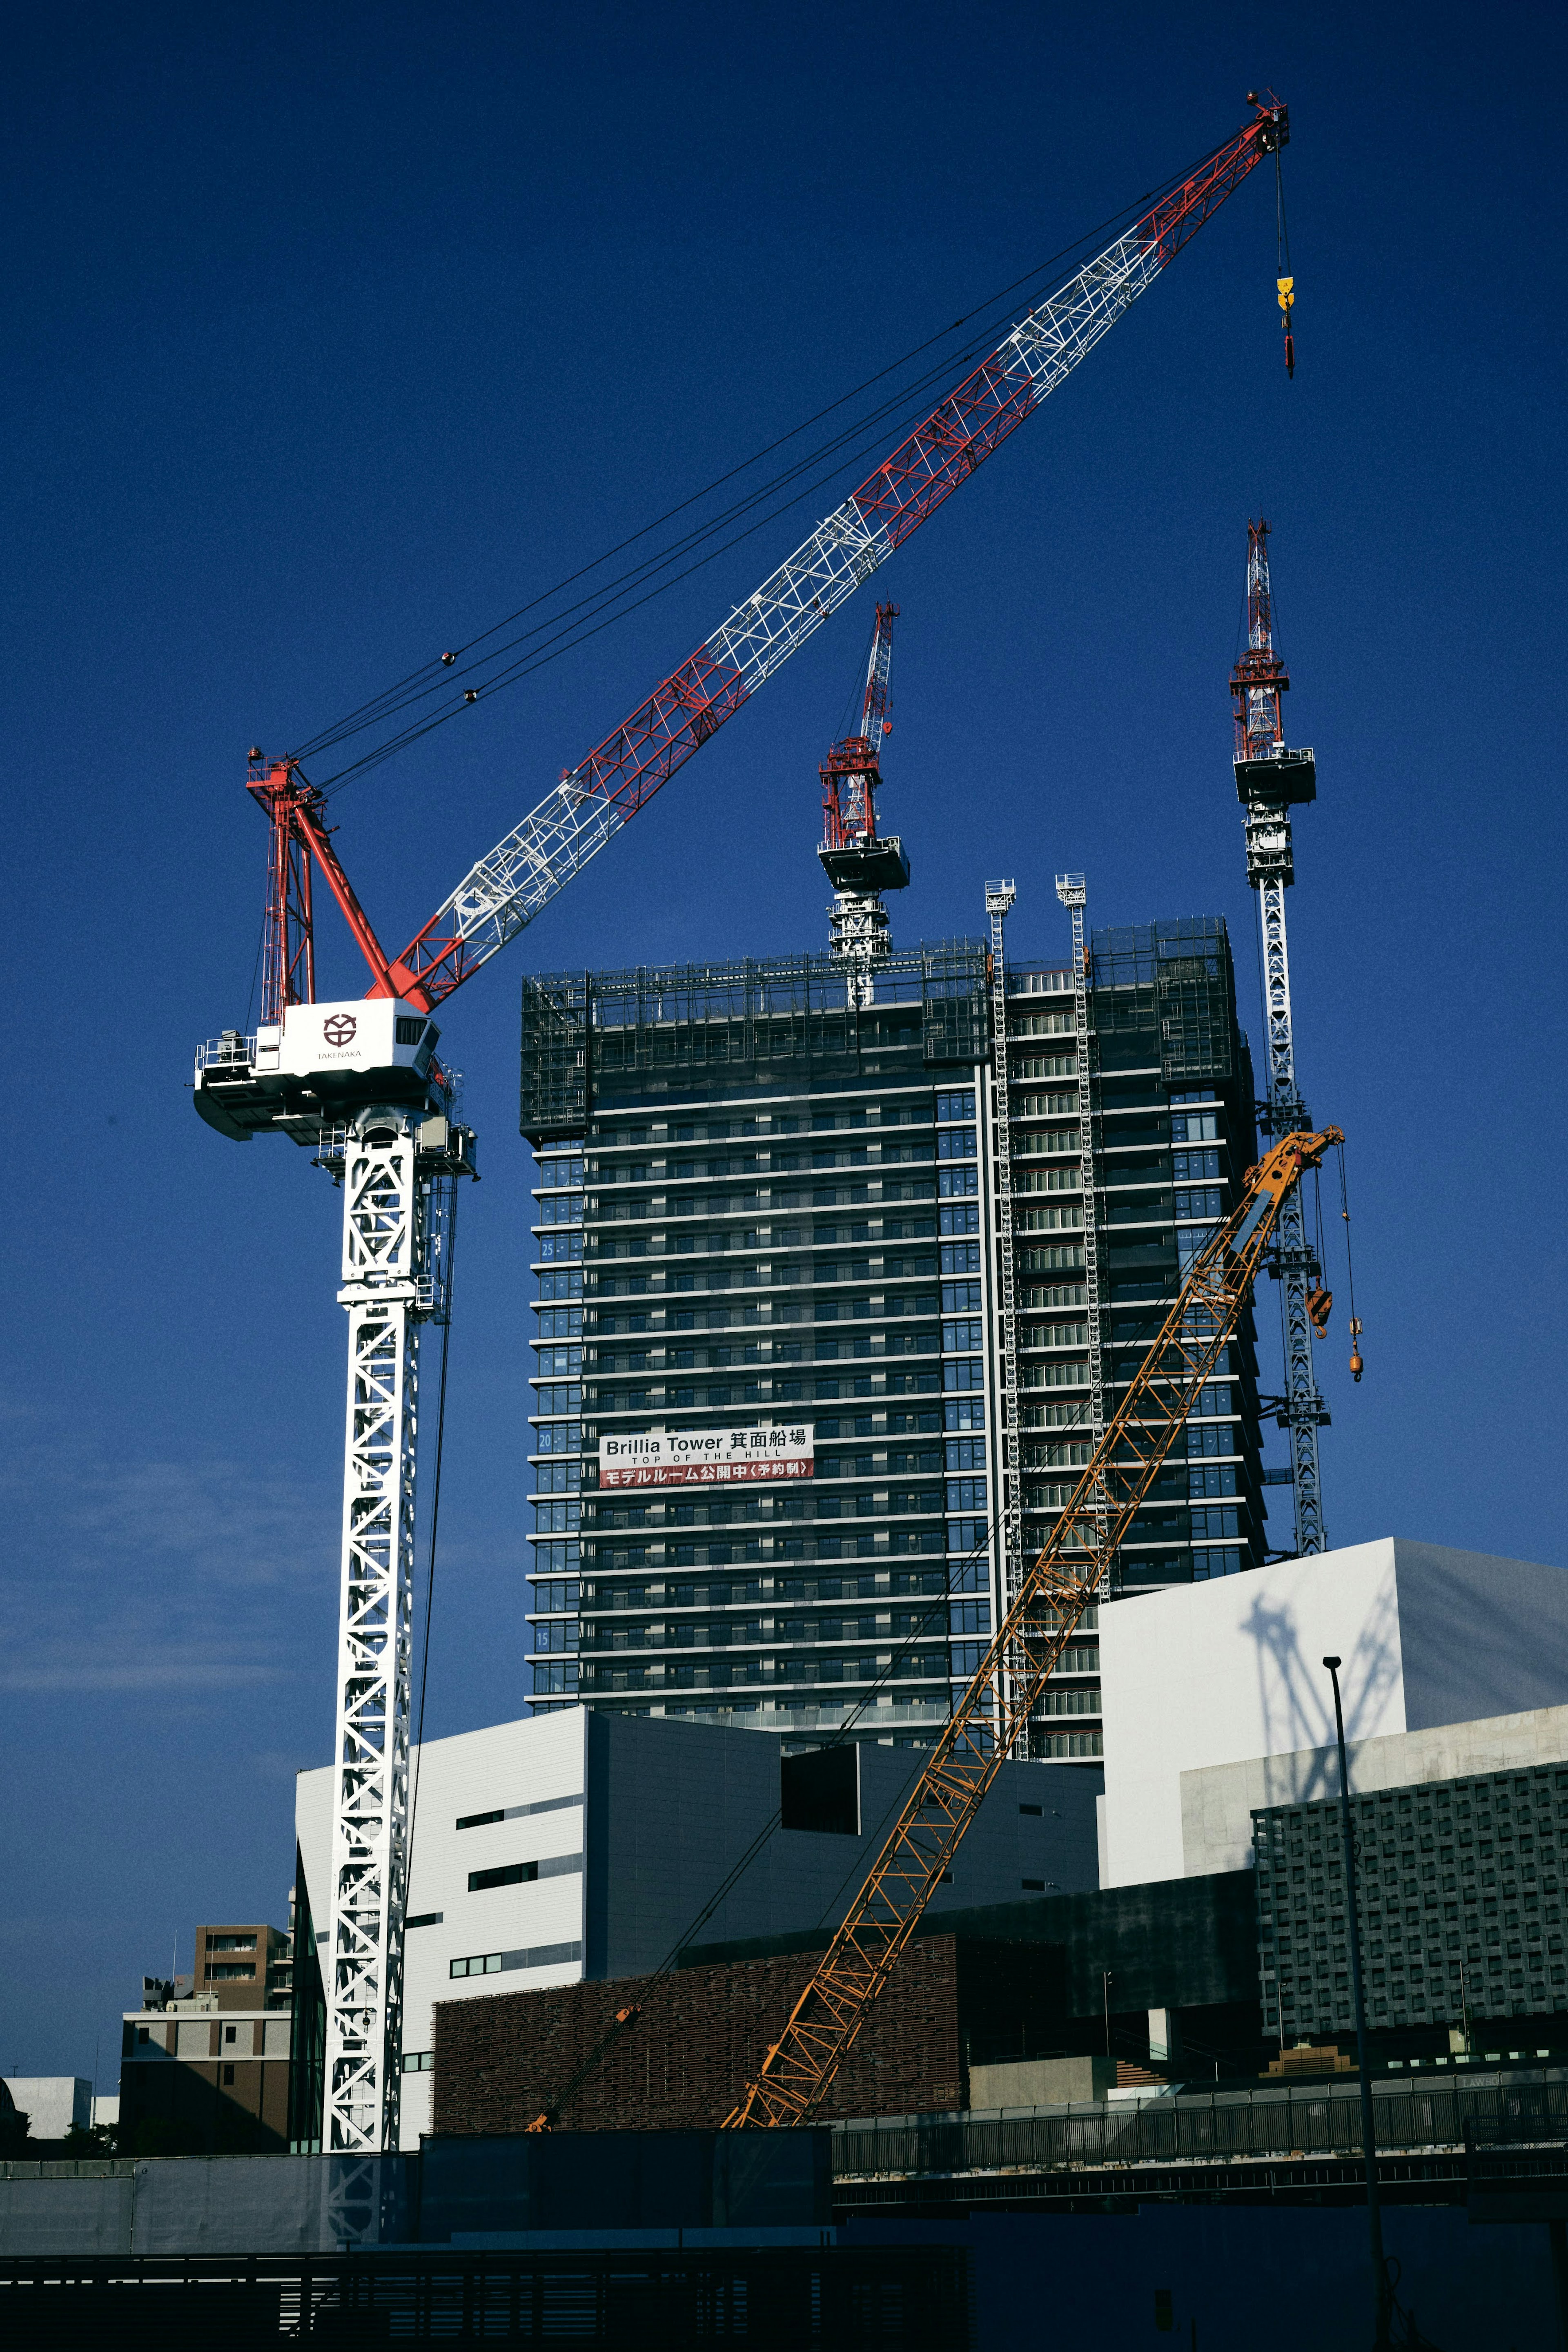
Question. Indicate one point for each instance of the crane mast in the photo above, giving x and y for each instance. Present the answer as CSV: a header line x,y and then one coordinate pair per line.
x,y
860,863
357,1082
1269,781
991,1718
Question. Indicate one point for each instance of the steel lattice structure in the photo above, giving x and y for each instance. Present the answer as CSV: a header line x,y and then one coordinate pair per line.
x,y
999,896
499,895
1072,891
991,1718
1268,780
399,1199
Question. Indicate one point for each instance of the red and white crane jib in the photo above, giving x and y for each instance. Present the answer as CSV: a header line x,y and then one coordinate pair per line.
x,y
504,890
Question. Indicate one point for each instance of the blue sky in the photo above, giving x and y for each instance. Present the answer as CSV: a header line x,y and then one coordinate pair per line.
x,y
335,335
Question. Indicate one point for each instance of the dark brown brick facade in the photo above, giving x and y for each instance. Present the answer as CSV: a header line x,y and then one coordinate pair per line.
x,y
704,2032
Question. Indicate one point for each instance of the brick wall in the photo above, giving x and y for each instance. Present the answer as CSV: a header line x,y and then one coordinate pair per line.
x,y
702,2035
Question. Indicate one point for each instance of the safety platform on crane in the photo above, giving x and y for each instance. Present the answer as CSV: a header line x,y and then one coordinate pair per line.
x,y
882,865
319,1065
1290,779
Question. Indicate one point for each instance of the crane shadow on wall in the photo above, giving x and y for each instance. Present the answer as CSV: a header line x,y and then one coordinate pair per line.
x,y
1295,1697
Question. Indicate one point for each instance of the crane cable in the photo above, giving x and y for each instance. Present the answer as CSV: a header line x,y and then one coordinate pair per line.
x,y
1357,1365
431,676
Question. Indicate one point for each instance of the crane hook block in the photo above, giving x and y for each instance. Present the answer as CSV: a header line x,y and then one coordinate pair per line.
x,y
1356,1366
1287,287
1320,1305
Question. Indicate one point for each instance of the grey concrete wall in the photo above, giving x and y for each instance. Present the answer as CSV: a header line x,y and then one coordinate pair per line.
x,y
207,2205
1040,2083
672,1806
1480,1635
1217,1803
64,2215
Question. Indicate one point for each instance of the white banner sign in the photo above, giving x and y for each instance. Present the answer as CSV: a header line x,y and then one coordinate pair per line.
x,y
697,1457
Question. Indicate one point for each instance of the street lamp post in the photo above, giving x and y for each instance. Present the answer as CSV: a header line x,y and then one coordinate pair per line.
x,y
1380,2297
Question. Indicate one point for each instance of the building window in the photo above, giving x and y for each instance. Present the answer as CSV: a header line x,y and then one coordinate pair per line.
x,y
228,2076
419,2061
537,1956
511,1873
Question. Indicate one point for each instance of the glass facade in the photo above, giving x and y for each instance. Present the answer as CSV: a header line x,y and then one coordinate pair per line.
x,y
758,1201
770,1210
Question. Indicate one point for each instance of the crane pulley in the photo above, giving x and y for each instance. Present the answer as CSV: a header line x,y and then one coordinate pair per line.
x,y
992,1715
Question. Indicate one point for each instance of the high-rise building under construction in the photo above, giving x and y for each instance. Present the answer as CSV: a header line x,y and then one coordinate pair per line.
x,y
773,1195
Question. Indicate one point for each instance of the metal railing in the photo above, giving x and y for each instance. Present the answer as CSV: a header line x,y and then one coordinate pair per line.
x,y
1218,2127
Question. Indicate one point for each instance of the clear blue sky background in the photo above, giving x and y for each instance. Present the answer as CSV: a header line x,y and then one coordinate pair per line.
x,y
336,333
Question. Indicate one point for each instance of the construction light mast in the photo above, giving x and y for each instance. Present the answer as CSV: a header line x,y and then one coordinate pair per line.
x,y
1269,781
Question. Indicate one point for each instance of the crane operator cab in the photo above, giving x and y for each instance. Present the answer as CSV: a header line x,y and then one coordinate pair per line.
x,y
318,1067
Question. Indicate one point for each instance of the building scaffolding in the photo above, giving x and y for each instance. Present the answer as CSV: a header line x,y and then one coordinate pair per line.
x,y
999,896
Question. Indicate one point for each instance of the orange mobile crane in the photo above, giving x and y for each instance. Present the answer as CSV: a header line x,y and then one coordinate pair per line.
x,y
993,1715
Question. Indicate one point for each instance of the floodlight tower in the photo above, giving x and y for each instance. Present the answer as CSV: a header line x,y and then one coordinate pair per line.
x,y
1271,781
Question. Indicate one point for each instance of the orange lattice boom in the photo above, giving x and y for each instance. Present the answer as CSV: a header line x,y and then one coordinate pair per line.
x,y
992,1717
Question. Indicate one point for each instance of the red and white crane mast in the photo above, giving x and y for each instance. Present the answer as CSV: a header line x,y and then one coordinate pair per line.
x,y
1271,781
860,863
359,1084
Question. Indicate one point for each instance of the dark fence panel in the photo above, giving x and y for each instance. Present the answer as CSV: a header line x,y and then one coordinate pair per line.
x,y
776,2299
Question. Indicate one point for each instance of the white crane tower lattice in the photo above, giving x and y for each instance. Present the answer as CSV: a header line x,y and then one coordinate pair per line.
x,y
1270,780
397,1166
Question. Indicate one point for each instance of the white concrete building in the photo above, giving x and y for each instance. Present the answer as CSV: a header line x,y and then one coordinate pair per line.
x,y
51,2103
1228,1672
591,1845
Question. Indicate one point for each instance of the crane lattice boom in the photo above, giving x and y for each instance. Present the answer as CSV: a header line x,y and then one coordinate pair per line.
x,y
993,1715
502,893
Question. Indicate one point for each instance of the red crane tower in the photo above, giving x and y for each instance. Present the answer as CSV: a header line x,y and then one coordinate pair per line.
x,y
861,864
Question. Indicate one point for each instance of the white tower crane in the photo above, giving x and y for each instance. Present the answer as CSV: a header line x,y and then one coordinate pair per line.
x,y
359,1084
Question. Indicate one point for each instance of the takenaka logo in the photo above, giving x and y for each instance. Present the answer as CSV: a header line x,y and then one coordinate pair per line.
x,y
341,1029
